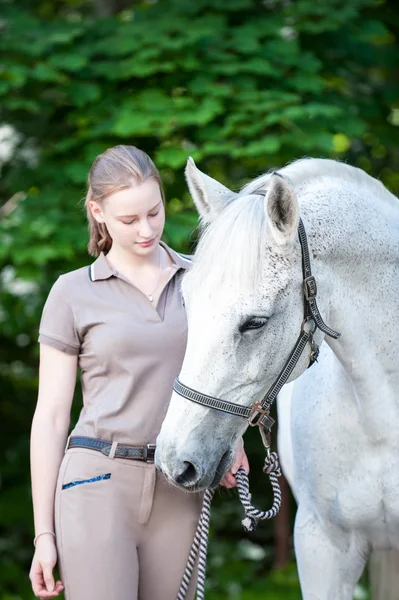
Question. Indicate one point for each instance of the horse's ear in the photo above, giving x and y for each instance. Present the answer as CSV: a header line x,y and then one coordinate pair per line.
x,y
282,210
210,196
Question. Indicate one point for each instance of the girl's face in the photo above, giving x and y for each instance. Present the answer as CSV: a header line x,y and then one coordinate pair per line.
x,y
135,217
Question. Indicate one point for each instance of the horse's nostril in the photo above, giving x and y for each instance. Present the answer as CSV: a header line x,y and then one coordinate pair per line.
x,y
188,474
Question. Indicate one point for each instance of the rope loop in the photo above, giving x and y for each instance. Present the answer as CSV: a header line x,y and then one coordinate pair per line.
x,y
252,514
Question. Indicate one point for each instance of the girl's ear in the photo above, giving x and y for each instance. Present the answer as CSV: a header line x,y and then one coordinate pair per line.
x,y
96,211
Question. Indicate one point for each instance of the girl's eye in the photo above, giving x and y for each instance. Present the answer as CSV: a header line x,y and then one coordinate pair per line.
x,y
133,220
253,323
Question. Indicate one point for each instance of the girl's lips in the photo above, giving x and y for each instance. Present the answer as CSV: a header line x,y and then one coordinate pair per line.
x,y
145,244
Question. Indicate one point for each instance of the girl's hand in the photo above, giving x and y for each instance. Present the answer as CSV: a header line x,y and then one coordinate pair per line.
x,y
41,572
240,460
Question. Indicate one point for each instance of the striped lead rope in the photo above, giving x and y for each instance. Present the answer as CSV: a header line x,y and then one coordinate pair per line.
x,y
199,548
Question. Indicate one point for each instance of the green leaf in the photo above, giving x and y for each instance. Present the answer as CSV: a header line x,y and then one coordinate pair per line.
x,y
82,93
15,75
77,172
269,145
24,104
171,156
68,62
45,72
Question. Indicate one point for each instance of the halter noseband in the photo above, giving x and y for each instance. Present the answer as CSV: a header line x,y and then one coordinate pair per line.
x,y
258,413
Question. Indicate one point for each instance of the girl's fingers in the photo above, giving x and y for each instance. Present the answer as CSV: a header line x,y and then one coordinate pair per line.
x,y
231,479
45,595
240,460
228,481
245,463
39,587
237,462
48,577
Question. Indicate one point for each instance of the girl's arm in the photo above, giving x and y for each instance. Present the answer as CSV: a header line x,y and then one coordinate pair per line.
x,y
57,379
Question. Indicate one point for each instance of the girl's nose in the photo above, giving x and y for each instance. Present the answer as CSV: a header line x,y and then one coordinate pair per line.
x,y
145,230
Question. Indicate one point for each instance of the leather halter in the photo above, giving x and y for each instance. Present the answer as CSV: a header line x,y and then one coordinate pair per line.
x,y
258,413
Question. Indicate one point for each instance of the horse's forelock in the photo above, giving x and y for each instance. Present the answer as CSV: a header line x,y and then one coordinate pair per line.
x,y
231,249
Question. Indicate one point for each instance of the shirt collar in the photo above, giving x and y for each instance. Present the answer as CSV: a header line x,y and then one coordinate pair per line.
x,y
182,261
101,269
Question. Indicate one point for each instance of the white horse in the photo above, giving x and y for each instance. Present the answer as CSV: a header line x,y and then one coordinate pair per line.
x,y
244,304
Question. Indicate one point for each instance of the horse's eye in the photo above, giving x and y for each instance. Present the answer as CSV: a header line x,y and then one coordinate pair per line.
x,y
253,323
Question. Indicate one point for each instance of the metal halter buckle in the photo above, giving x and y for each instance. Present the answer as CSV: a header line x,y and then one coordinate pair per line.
x,y
256,413
149,453
310,288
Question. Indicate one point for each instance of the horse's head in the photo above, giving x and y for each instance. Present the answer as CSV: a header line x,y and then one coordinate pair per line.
x,y
244,305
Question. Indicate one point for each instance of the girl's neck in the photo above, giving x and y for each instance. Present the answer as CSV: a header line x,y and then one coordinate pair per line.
x,y
128,261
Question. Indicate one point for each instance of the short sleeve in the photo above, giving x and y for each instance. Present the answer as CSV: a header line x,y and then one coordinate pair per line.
x,y
58,326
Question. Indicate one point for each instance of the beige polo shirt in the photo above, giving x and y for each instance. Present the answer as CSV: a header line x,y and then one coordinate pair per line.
x,y
129,350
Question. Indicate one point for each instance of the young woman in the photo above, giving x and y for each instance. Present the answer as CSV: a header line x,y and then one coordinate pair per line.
x,y
116,527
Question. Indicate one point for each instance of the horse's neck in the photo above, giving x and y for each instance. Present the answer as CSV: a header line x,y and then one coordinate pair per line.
x,y
354,241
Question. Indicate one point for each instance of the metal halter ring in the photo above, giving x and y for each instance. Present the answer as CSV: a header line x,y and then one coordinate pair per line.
x,y
257,411
307,320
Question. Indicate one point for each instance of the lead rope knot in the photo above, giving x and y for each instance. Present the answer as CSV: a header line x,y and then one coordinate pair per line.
x,y
199,547
272,464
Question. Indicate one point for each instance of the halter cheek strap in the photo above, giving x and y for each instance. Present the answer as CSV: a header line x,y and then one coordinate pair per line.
x,y
258,413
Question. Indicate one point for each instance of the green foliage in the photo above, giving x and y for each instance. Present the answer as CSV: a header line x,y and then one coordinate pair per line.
x,y
242,86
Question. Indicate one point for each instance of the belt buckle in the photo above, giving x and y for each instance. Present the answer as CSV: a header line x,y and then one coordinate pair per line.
x,y
147,449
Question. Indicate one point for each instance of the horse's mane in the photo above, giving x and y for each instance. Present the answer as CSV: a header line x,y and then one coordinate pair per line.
x,y
301,171
236,239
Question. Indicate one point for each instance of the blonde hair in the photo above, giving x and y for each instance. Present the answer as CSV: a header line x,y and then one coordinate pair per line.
x,y
116,169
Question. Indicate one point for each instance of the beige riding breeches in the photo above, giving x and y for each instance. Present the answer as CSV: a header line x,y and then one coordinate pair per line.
x,y
122,531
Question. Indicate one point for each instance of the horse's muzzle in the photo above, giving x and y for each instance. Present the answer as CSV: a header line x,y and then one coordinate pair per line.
x,y
191,474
